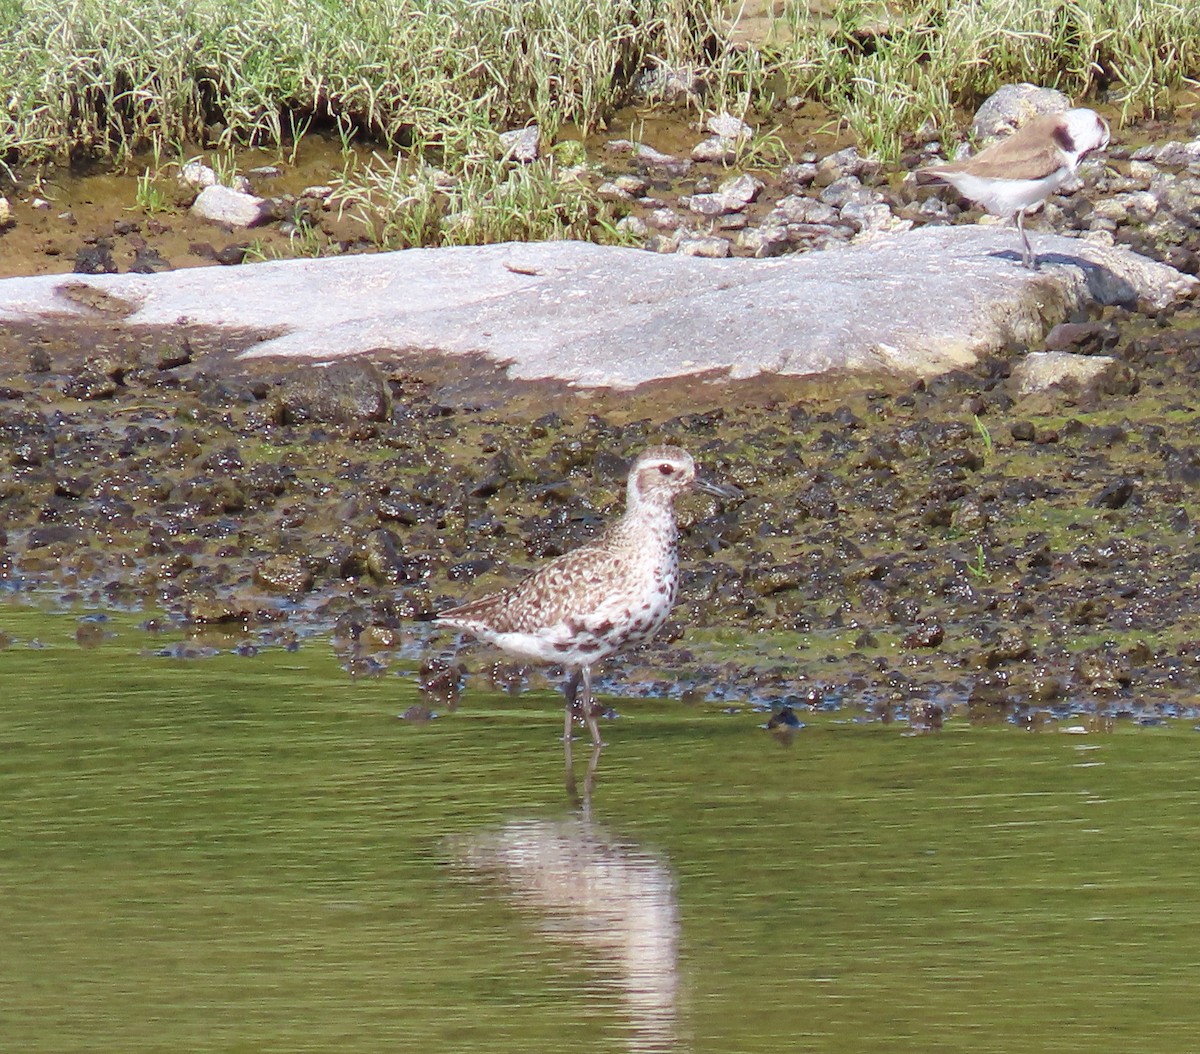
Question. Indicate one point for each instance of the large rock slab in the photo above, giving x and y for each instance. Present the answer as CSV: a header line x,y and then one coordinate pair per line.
x,y
911,304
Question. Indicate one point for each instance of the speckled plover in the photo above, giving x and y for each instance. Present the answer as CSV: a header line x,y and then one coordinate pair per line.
x,y
612,593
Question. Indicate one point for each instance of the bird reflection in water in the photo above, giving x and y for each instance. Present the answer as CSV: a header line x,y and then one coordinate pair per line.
x,y
607,897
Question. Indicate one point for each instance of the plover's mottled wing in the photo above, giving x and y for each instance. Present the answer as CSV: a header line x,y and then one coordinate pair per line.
x,y
579,586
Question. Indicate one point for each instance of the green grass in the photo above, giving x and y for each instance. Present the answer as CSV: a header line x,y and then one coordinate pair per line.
x,y
431,83
888,69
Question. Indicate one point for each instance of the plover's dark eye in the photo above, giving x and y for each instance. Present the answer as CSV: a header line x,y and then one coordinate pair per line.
x,y
666,470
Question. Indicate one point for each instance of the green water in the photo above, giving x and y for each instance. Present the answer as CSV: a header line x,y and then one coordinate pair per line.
x,y
254,854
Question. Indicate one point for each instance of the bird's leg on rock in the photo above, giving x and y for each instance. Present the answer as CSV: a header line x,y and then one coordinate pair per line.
x,y
1027,257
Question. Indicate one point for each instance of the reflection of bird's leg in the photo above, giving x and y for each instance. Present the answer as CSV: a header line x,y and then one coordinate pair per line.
x,y
588,712
584,803
1027,257
571,689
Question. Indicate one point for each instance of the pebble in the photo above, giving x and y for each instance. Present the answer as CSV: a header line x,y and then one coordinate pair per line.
x,y
710,248
522,144
726,126
232,208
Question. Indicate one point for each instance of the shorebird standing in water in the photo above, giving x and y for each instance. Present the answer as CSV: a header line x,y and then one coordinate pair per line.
x,y
1013,175
614,592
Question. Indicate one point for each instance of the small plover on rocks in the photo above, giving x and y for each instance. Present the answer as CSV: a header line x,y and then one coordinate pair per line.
x,y
1016,173
614,592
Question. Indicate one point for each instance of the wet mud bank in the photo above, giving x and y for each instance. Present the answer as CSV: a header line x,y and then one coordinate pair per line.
x,y
923,550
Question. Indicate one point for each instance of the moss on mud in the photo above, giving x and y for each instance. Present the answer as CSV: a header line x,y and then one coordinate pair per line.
x,y
889,551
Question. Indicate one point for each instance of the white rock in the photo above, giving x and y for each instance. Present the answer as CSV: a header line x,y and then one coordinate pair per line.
x,y
712,204
633,185
197,174
1041,369
6,216
709,248
744,188
716,151
913,304
633,225
1178,155
233,208
665,220
611,192
726,126
796,208
522,144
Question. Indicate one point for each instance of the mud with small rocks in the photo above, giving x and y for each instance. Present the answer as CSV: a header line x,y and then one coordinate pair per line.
x,y
976,546
949,548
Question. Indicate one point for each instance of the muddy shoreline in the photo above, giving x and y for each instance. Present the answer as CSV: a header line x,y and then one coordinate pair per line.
x,y
922,550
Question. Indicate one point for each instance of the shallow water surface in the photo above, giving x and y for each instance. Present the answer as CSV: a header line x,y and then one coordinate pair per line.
x,y
254,853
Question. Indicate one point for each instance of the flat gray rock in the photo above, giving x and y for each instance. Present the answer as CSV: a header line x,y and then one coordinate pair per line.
x,y
912,304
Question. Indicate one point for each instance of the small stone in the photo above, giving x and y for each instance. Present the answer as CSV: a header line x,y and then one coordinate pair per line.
x,y
924,636
197,174
346,392
6,216
666,164
1178,155
232,208
611,192
712,204
635,186
284,573
798,175
1113,495
522,144
764,241
845,190
744,188
839,165
664,220
1040,370
798,209
709,248
726,126
634,226
715,151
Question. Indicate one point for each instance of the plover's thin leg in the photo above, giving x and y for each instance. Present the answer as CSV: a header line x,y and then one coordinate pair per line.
x,y
1027,257
588,716
571,690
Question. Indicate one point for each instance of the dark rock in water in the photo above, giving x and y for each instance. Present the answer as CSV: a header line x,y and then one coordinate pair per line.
x,y
1007,645
388,562
284,573
925,636
345,392
785,717
95,259
51,534
90,384
209,607
1102,670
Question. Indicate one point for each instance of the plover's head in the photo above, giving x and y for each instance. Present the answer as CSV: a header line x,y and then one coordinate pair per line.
x,y
1081,132
661,473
